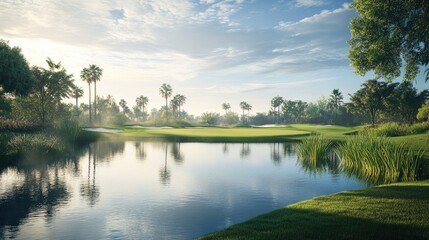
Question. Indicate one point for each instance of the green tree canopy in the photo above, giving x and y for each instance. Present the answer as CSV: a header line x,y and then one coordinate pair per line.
x,y
387,33
15,74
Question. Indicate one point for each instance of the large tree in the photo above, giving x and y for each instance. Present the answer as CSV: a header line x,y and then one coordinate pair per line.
x,y
370,99
85,75
165,91
51,86
335,100
15,74
386,34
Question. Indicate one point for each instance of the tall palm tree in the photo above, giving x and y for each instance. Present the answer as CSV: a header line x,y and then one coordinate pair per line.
x,y
226,107
335,100
77,93
85,75
95,73
276,102
243,106
248,108
174,104
165,91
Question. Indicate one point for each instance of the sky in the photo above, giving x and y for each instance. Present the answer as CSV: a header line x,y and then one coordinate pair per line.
x,y
211,51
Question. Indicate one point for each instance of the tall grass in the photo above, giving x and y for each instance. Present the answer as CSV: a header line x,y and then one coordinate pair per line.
x,y
378,160
35,144
314,148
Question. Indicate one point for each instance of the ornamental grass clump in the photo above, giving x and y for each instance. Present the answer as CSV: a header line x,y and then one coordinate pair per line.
x,y
314,148
378,160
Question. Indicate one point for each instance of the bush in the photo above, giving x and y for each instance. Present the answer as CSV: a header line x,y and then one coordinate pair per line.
x,y
18,125
395,129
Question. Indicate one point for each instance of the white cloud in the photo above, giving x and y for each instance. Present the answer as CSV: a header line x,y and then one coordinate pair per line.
x,y
309,3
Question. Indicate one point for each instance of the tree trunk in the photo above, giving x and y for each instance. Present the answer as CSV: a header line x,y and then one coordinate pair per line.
x,y
90,111
77,108
95,101
166,109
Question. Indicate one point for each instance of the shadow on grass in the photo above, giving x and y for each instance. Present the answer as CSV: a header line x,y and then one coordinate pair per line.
x,y
387,212
289,223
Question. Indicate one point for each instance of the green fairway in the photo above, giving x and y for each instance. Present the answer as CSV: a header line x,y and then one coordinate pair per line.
x,y
396,211
217,134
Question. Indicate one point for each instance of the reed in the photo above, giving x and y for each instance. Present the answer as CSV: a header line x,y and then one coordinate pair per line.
x,y
378,160
314,148
35,144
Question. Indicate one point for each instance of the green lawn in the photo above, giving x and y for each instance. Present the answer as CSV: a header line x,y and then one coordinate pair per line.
x,y
218,134
396,211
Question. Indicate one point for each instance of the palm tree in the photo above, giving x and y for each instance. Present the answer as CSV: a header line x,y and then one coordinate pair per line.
x,y
165,91
174,104
85,75
335,100
77,93
226,107
95,73
181,100
276,102
248,108
141,102
243,106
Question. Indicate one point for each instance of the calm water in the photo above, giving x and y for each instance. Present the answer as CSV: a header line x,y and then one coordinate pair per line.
x,y
155,190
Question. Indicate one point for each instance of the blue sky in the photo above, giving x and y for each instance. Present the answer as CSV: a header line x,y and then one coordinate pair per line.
x,y
212,51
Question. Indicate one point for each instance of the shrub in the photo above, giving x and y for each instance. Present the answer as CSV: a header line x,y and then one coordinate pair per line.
x,y
35,144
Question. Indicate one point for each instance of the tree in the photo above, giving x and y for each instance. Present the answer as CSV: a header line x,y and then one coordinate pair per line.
x,y
177,101
423,112
85,75
142,102
165,91
387,33
210,118
335,100
51,86
243,106
370,99
226,107
403,103
248,108
95,74
15,74
276,102
77,93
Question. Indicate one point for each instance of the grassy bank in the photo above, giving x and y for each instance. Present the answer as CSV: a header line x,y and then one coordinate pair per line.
x,y
396,211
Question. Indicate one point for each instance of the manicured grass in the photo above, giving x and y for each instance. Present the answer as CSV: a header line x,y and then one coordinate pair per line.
x,y
217,134
334,132
396,211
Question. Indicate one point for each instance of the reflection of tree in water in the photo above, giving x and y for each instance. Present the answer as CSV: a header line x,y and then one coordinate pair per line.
x,y
140,150
275,153
245,150
225,148
164,172
177,154
289,149
40,190
106,150
89,191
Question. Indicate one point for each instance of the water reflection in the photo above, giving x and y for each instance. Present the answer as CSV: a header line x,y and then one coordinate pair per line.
x,y
140,150
39,190
106,189
329,164
245,150
89,190
178,155
164,172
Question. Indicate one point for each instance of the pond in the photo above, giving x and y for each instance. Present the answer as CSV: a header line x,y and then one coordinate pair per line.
x,y
155,190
